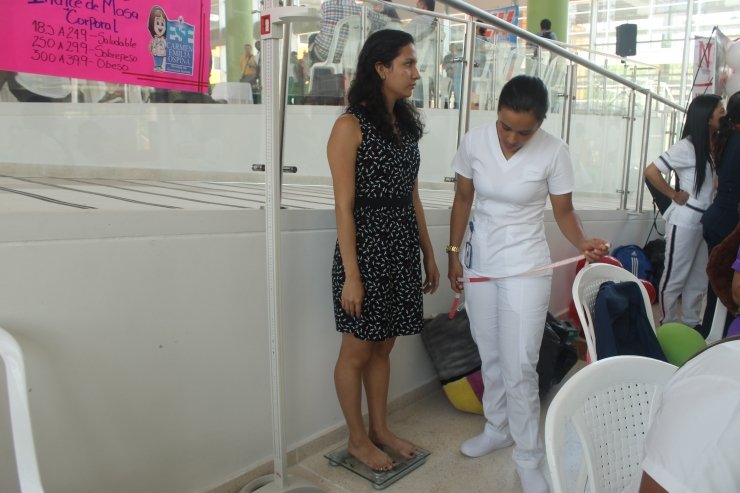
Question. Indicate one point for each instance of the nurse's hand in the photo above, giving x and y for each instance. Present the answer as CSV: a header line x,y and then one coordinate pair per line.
x,y
593,249
431,276
454,272
681,197
353,293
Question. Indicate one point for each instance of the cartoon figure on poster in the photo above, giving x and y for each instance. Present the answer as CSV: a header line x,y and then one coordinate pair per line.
x,y
158,30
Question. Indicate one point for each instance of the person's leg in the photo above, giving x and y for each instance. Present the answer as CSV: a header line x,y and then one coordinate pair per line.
x,y
480,302
354,357
523,304
376,379
674,275
696,279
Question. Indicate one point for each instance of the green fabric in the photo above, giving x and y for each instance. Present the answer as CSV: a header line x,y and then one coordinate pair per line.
x,y
679,342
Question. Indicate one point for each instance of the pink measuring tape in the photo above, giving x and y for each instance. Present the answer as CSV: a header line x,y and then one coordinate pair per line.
x,y
553,265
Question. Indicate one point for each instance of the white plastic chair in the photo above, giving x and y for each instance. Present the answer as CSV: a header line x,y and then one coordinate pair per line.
x,y
20,418
343,57
585,288
610,404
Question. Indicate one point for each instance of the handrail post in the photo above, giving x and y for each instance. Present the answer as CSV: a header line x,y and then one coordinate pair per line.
x,y
568,97
644,146
465,84
627,151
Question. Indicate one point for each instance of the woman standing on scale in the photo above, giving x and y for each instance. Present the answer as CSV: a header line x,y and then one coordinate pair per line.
x,y
377,286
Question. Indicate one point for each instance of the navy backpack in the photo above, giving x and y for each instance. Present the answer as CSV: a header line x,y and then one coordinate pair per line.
x,y
634,259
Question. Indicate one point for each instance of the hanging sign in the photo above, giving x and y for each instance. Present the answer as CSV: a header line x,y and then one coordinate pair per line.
x,y
508,14
160,43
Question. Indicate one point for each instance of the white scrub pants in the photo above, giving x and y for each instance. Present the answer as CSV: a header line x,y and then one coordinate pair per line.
x,y
507,320
685,275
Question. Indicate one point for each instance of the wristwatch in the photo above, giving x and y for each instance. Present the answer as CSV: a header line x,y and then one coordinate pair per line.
x,y
452,249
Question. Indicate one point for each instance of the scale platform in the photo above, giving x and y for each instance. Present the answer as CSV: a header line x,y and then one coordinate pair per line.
x,y
379,480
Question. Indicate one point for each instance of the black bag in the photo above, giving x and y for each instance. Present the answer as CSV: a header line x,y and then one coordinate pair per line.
x,y
455,355
557,353
661,200
655,251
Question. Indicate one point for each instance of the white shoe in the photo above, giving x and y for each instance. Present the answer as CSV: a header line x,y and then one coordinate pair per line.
x,y
483,444
533,481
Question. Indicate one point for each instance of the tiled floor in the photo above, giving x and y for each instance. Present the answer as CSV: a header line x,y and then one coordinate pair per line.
x,y
435,425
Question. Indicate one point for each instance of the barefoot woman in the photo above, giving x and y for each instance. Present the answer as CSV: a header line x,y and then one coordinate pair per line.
x,y
377,287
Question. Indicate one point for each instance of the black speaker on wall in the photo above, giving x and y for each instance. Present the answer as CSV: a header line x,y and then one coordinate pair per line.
x,y
627,40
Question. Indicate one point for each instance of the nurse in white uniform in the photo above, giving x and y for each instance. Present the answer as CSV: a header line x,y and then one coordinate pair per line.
x,y
685,272
511,167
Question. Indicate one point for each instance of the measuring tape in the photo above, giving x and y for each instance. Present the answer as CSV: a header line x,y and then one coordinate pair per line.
x,y
553,265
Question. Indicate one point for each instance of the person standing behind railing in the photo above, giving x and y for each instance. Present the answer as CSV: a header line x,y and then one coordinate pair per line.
x,y
684,276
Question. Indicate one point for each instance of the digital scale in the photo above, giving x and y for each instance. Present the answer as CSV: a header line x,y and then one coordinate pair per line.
x,y
379,479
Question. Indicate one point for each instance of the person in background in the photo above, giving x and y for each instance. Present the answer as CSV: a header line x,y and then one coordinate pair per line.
x,y
692,442
453,67
377,285
511,168
546,30
333,11
723,215
422,25
684,276
249,68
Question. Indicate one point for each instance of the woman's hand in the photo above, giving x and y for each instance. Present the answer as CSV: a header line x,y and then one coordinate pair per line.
x,y
593,249
681,197
454,272
353,294
431,276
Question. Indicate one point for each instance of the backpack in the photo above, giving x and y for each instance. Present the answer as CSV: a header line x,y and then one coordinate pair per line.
x,y
633,259
655,251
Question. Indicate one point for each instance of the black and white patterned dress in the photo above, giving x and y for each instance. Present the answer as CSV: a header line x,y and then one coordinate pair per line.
x,y
388,249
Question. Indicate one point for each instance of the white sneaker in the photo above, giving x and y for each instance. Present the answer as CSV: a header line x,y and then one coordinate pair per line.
x,y
533,481
483,444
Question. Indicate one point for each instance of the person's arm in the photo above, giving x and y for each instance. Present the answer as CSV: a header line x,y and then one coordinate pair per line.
x,y
570,225
655,177
649,485
431,272
463,201
341,152
736,287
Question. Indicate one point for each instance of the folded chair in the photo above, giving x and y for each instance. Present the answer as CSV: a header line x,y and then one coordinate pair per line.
x,y
609,404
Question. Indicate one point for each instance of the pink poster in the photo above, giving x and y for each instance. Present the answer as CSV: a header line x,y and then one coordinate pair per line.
x,y
160,43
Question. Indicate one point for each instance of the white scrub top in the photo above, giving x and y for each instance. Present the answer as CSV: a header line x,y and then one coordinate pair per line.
x,y
681,158
508,229
693,442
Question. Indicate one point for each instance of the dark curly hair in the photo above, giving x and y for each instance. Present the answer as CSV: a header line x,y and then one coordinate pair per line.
x,y
696,129
727,125
366,89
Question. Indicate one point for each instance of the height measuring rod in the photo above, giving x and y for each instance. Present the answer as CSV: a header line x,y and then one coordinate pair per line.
x,y
272,21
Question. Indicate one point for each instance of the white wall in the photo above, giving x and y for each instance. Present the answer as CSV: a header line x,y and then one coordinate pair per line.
x,y
147,348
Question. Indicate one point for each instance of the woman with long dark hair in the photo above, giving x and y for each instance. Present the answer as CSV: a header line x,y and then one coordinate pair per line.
x,y
684,275
511,167
377,285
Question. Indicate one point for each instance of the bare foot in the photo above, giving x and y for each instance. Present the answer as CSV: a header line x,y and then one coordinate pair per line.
x,y
402,447
371,456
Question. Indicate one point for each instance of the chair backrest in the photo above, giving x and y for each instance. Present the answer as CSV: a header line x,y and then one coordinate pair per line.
x,y
585,288
20,418
610,404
